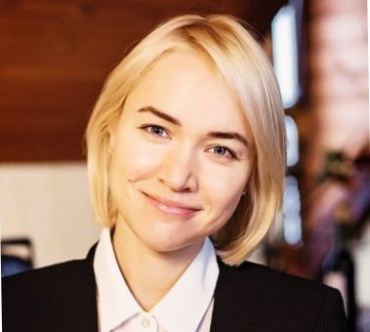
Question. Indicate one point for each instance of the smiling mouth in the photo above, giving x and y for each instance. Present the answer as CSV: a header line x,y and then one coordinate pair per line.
x,y
171,207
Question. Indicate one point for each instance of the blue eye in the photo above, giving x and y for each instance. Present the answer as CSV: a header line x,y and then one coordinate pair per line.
x,y
155,130
223,151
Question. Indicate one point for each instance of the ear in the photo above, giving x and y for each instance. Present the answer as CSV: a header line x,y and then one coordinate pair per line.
x,y
247,185
112,132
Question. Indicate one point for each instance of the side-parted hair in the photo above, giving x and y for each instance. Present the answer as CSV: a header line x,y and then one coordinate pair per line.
x,y
248,72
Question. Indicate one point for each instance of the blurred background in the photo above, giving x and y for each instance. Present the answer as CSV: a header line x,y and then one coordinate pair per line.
x,y
54,58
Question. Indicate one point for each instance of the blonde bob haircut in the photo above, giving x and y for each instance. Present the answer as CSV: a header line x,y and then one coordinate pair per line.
x,y
248,72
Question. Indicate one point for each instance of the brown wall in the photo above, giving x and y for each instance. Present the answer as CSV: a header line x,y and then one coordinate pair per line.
x,y
55,55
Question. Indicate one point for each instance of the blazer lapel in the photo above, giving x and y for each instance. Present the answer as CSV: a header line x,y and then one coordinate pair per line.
x,y
88,319
231,307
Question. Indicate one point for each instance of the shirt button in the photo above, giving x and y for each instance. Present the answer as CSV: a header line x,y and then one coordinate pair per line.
x,y
145,322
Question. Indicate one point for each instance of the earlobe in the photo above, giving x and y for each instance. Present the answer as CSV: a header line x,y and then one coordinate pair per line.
x,y
111,138
111,143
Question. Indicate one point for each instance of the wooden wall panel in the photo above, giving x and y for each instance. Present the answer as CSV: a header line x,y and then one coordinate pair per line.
x,y
55,56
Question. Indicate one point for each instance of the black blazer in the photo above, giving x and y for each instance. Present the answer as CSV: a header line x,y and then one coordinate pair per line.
x,y
250,298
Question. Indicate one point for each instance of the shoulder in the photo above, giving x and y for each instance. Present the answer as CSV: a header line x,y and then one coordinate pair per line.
x,y
259,275
48,279
39,296
72,276
287,300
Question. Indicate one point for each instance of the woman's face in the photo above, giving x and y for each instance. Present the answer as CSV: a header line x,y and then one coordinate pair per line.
x,y
181,155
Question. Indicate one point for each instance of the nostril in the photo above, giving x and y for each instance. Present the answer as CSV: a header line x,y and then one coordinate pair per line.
x,y
179,182
178,169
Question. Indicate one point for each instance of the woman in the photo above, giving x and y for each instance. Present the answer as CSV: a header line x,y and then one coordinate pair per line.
x,y
186,160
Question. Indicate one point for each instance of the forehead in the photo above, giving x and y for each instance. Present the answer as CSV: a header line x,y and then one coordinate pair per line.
x,y
187,85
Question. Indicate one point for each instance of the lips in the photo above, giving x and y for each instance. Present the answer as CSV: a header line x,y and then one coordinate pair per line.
x,y
172,207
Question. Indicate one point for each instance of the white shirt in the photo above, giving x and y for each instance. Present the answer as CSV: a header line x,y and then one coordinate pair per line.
x,y
187,307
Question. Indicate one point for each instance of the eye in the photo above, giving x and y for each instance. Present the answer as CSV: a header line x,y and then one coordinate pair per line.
x,y
223,151
155,130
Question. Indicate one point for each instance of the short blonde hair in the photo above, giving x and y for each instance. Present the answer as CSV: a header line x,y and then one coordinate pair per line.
x,y
248,72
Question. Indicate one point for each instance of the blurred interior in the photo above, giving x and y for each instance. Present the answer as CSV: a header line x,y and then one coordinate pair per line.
x,y
55,56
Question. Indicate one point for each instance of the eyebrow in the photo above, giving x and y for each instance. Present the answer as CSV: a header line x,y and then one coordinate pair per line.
x,y
162,115
229,135
212,134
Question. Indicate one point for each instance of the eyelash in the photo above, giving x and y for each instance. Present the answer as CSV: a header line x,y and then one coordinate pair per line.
x,y
150,130
232,154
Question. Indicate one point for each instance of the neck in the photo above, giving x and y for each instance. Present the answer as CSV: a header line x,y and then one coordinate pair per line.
x,y
149,274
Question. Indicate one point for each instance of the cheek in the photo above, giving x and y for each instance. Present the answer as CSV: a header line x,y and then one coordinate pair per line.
x,y
224,210
226,186
227,200
224,191
135,161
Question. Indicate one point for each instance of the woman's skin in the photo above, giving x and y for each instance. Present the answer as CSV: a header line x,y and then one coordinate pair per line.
x,y
180,162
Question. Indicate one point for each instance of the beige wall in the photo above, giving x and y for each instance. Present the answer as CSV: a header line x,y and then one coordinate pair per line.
x,y
50,204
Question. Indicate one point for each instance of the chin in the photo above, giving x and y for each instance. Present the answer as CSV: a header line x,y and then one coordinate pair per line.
x,y
166,246
169,245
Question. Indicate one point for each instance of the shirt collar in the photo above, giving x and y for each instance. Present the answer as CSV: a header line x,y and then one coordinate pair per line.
x,y
181,309
115,301
184,306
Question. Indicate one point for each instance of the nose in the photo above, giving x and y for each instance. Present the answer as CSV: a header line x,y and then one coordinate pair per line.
x,y
178,169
